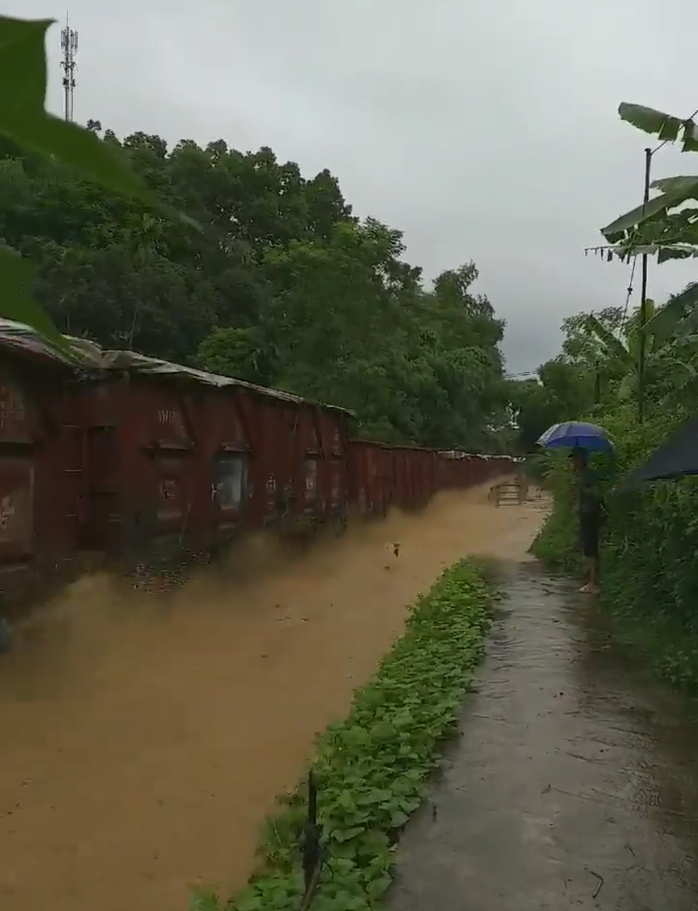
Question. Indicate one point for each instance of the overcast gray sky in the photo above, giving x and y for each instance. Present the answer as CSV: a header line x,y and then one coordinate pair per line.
x,y
485,129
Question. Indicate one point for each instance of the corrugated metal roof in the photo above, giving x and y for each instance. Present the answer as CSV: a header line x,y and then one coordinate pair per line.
x,y
22,338
141,363
83,354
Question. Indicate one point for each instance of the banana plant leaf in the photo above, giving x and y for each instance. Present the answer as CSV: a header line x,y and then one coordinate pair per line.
x,y
674,192
665,127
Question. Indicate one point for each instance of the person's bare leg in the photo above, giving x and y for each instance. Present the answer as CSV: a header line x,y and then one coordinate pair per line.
x,y
585,585
591,586
594,575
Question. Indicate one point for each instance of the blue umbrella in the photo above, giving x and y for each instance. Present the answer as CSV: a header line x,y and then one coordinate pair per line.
x,y
576,435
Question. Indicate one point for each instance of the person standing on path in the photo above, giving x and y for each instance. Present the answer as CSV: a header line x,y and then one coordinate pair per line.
x,y
590,519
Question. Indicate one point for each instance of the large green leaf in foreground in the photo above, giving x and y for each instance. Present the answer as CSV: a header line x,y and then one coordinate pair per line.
x,y
25,122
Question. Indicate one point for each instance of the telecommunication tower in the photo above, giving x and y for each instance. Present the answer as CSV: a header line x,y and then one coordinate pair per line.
x,y
69,46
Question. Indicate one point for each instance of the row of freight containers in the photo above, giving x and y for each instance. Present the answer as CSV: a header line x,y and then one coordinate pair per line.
x,y
138,459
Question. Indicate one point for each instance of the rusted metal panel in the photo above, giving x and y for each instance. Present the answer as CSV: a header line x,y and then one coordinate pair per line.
x,y
161,474
16,509
333,440
196,463
401,480
19,431
461,470
358,482
451,470
276,456
302,454
404,476
18,419
403,493
41,461
297,460
416,477
307,469
371,482
478,469
143,472
290,460
223,491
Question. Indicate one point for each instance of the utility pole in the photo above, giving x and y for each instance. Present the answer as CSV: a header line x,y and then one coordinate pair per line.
x,y
69,46
597,383
643,303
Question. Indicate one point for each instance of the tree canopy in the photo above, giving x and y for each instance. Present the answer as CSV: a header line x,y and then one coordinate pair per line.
x,y
280,285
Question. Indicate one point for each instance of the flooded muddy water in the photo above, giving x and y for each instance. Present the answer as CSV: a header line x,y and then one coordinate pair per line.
x,y
574,783
144,740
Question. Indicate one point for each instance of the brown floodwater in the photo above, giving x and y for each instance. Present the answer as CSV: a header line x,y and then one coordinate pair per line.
x,y
144,737
574,783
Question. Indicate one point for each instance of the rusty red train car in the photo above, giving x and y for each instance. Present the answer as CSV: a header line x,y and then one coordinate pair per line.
x,y
181,459
135,458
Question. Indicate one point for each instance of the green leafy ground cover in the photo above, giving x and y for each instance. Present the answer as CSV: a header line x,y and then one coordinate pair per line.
x,y
372,768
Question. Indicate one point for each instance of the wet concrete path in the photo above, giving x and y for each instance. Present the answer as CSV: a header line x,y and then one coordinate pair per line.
x,y
574,783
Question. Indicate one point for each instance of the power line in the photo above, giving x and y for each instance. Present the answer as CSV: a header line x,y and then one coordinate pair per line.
x,y
69,46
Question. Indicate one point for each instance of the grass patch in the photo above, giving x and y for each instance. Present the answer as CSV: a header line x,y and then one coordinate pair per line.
x,y
665,644
372,768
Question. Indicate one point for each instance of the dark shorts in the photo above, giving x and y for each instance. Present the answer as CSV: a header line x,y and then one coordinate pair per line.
x,y
589,533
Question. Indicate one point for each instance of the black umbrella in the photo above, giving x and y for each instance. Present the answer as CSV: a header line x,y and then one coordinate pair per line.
x,y
676,458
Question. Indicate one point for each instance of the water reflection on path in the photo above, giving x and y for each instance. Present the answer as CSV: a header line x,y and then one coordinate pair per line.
x,y
575,782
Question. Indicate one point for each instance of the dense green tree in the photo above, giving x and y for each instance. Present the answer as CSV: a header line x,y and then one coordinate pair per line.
x,y
282,286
